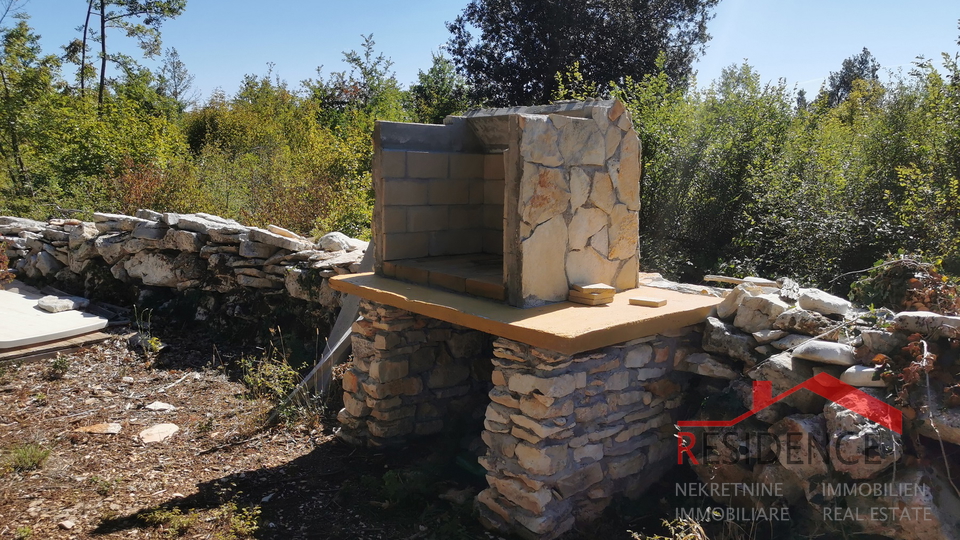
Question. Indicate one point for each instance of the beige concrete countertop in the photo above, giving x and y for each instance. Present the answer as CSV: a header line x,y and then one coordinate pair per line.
x,y
22,323
564,327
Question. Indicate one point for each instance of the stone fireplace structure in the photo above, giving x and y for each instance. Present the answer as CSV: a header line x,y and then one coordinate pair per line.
x,y
481,227
510,204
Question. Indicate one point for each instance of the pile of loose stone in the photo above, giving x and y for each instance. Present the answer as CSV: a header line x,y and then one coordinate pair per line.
x,y
778,332
179,251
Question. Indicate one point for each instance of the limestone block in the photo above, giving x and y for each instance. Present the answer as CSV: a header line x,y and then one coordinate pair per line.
x,y
611,142
256,250
863,376
811,323
624,233
539,142
503,397
394,414
857,446
723,338
354,406
534,408
585,414
409,386
390,370
56,304
264,236
784,372
708,366
544,279
586,223
790,341
586,266
803,444
151,268
638,356
579,187
591,452
582,479
553,387
602,194
882,342
47,264
628,186
150,230
927,323
581,142
544,193
622,467
518,493
823,303
826,352
258,282
628,277
542,460
758,313
542,429
386,430
188,241
768,336
728,307
110,247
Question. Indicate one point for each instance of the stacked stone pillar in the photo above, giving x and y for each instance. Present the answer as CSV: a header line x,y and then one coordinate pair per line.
x,y
411,375
565,433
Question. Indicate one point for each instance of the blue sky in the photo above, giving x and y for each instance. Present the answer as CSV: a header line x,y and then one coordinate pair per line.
x,y
802,41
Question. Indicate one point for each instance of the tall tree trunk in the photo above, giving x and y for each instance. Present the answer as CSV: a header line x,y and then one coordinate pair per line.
x,y
103,54
11,125
83,49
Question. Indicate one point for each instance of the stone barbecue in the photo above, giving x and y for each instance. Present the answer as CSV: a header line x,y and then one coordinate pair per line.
x,y
481,227
510,204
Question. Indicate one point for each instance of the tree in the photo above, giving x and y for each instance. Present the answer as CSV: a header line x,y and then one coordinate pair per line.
x,y
438,93
26,78
523,44
839,84
140,19
175,82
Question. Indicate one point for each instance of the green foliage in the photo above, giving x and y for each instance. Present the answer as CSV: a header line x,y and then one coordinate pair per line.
x,y
839,85
908,281
59,367
523,44
438,93
27,457
739,180
270,376
23,533
173,522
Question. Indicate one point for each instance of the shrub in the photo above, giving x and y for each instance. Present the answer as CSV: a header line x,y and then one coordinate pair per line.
x,y
27,457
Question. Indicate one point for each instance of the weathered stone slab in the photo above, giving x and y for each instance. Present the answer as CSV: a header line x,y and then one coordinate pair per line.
x,y
823,303
826,352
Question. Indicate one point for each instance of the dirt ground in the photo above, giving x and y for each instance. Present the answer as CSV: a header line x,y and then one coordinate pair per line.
x,y
222,475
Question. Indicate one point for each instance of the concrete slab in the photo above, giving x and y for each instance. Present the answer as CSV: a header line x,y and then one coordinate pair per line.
x,y
564,327
22,323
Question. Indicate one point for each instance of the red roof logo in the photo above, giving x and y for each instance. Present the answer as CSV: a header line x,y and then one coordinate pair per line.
x,y
822,384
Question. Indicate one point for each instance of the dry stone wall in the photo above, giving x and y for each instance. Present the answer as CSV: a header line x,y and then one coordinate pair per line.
x,y
232,268
784,335
411,376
